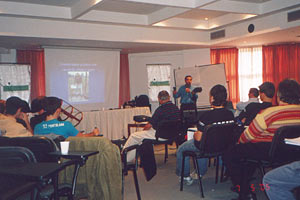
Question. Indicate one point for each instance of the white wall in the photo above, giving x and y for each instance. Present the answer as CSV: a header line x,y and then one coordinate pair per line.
x,y
138,70
8,56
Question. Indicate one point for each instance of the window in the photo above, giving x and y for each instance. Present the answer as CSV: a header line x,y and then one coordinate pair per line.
x,y
250,70
15,81
158,79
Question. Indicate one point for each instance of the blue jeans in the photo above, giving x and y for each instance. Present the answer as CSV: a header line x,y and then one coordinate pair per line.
x,y
280,181
189,146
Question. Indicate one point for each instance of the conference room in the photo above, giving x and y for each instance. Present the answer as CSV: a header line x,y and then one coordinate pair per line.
x,y
100,56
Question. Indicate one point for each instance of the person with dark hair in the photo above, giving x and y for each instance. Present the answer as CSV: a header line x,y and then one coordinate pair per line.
x,y
188,98
253,97
255,141
52,107
2,106
36,107
217,99
9,126
25,109
266,93
166,111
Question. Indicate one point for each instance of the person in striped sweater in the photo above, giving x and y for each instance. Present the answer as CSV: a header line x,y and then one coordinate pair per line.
x,y
255,141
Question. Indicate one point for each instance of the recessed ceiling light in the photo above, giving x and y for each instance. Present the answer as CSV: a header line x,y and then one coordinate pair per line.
x,y
206,18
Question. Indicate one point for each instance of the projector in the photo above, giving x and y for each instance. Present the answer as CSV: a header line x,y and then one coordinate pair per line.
x,y
141,118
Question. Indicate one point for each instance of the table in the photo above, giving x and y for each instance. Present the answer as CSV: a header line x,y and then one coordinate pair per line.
x,y
111,123
35,172
101,176
80,157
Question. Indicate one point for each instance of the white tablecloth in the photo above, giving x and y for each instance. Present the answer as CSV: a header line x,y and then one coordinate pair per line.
x,y
111,123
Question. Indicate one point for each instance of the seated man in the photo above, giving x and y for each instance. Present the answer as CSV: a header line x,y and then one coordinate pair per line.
x,y
8,122
217,99
166,111
52,107
280,182
253,97
266,93
255,141
36,107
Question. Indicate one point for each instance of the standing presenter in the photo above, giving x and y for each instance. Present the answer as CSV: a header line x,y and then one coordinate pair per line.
x,y
187,95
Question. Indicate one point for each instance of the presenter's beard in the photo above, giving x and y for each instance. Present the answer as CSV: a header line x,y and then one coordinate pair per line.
x,y
187,85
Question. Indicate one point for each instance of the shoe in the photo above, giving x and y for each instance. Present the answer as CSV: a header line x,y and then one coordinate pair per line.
x,y
187,180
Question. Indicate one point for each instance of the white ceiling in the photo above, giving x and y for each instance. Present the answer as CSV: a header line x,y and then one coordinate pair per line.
x,y
135,26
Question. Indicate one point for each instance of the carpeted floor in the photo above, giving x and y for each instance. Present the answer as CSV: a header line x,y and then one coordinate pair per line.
x,y
165,185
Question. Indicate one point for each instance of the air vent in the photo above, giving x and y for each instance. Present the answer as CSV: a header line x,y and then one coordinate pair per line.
x,y
217,34
293,16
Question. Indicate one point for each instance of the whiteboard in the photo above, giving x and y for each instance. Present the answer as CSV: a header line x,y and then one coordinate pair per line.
x,y
205,76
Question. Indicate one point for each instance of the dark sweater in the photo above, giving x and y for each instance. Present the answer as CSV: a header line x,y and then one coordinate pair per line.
x,y
252,110
212,116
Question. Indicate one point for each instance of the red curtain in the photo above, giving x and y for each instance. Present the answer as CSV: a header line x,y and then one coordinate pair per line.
x,y
36,59
230,58
281,62
124,85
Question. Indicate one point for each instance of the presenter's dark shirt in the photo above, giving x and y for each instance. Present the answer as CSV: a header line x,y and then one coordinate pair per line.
x,y
166,111
252,110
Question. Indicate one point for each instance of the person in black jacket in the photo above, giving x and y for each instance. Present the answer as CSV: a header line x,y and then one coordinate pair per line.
x,y
218,99
266,93
166,111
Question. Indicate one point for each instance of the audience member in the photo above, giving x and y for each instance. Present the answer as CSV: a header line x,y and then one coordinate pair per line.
x,y
253,97
36,107
280,182
255,141
166,111
8,121
52,107
2,106
217,99
25,109
266,93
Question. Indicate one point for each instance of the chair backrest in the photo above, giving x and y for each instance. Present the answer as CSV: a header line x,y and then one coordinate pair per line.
x,y
168,129
217,137
10,155
282,152
4,141
39,145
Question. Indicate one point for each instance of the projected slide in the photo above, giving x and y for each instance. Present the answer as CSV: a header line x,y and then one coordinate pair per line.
x,y
87,79
78,84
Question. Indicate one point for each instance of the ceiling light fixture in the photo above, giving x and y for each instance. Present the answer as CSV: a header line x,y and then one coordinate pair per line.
x,y
205,18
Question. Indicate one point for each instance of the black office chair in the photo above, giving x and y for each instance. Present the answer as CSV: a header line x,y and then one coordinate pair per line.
x,y
41,147
14,188
216,138
170,131
130,166
280,153
133,166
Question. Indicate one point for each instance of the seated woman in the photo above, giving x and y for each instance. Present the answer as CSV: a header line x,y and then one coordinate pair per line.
x,y
217,99
52,107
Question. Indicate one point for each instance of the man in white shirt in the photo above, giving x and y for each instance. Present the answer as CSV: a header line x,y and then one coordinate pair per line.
x,y
253,97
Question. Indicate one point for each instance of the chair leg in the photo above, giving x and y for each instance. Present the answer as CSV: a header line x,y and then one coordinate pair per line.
x,y
166,152
136,183
199,177
217,169
182,173
222,172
